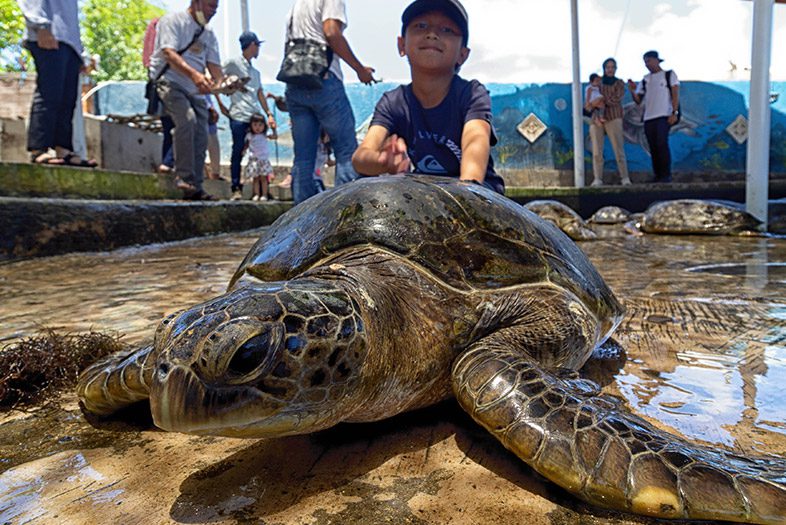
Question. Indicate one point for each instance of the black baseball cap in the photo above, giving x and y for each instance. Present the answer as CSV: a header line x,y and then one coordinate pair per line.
x,y
652,54
450,8
247,38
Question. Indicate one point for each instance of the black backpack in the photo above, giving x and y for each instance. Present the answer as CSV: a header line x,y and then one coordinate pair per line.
x,y
668,86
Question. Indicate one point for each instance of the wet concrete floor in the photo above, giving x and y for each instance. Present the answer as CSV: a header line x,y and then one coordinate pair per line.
x,y
702,352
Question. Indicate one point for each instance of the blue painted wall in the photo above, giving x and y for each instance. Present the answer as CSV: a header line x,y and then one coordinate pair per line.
x,y
699,143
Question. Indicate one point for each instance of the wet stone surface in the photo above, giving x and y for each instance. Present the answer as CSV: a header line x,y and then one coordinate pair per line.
x,y
701,352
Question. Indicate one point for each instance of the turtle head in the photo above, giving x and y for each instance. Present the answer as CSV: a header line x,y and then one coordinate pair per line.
x,y
264,360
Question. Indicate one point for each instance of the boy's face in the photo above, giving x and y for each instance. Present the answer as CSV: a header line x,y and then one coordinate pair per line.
x,y
432,41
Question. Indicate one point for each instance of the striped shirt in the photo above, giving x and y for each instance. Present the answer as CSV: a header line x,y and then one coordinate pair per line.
x,y
612,96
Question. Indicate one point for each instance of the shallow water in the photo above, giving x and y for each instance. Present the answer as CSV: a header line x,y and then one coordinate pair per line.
x,y
701,351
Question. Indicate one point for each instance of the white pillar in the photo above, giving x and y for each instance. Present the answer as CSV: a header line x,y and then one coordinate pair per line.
x,y
244,14
758,161
577,101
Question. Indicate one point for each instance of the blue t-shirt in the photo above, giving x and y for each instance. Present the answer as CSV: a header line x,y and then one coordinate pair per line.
x,y
433,136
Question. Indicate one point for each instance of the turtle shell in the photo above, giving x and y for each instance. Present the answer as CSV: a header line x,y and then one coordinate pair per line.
x,y
464,234
695,216
610,215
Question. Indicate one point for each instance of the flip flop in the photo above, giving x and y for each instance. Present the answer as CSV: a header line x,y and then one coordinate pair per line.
x,y
185,186
73,160
198,195
45,158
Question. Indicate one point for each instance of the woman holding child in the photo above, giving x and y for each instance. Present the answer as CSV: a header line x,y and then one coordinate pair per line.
x,y
612,90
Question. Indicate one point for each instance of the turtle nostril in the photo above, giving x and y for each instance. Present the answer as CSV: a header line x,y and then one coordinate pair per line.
x,y
163,370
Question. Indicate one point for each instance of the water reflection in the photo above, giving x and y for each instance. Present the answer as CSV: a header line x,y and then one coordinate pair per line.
x,y
704,334
703,337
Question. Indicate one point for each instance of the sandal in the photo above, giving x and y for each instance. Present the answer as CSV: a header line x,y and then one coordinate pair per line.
x,y
44,157
185,186
198,195
73,160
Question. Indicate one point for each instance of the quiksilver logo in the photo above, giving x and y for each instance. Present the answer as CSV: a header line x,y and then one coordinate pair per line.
x,y
429,164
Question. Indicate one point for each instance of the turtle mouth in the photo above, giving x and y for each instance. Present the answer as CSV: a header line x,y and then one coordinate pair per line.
x,y
181,402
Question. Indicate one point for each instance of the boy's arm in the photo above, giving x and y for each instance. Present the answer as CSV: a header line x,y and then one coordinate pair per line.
x,y
380,153
475,148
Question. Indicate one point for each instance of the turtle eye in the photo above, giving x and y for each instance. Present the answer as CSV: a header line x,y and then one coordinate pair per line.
x,y
251,355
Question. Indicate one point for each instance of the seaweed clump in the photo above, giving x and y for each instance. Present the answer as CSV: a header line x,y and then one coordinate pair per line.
x,y
38,367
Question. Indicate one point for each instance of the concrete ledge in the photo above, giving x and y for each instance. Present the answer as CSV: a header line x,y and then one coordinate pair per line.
x,y
637,197
35,180
42,227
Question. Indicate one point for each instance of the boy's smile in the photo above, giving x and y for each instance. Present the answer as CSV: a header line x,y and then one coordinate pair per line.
x,y
432,41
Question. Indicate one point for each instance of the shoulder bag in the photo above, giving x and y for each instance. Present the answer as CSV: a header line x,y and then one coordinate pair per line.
x,y
305,61
151,93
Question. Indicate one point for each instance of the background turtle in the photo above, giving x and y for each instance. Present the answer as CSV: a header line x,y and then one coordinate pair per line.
x,y
393,293
563,217
610,215
694,216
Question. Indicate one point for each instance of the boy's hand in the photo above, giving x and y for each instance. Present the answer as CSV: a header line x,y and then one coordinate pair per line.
x,y
393,155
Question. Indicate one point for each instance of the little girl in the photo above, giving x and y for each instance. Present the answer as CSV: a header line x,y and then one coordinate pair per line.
x,y
258,169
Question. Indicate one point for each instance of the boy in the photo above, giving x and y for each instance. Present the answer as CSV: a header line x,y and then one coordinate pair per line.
x,y
440,124
595,99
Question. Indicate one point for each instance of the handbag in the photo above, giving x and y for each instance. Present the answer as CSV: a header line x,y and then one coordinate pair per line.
x,y
151,93
153,100
305,61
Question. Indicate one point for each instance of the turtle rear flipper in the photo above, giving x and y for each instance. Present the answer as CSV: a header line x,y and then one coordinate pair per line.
x,y
115,382
591,446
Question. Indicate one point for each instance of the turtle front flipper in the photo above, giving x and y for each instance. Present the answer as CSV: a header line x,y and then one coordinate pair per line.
x,y
592,447
115,382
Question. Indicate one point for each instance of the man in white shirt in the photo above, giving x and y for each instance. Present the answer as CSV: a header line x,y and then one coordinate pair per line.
x,y
244,103
660,91
182,83
325,108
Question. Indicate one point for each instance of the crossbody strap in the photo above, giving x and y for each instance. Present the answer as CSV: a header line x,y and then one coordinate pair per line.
x,y
290,35
181,51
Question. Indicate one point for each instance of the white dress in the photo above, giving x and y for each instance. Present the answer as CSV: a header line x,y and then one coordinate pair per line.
x,y
258,160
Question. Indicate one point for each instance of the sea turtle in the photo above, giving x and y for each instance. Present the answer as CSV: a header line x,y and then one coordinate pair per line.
x,y
563,217
610,215
392,293
695,216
